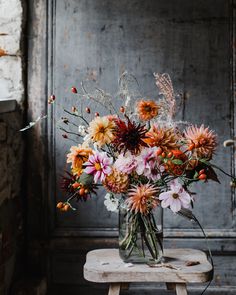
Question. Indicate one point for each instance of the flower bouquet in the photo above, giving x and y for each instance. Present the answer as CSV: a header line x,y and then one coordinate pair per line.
x,y
143,158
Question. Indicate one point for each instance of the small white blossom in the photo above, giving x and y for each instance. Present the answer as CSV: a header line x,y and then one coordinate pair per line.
x,y
82,130
111,202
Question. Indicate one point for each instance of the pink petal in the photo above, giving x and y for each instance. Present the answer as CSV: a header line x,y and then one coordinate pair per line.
x,y
107,170
165,195
166,202
175,185
102,177
89,169
97,176
175,205
185,197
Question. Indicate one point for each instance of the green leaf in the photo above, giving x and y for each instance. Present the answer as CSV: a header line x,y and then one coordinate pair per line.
x,y
195,176
86,179
205,161
177,161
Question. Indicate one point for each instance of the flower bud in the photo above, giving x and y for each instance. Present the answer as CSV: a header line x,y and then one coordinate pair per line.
x,y
122,109
73,90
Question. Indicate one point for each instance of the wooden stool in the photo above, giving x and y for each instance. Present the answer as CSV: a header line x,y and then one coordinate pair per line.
x,y
106,266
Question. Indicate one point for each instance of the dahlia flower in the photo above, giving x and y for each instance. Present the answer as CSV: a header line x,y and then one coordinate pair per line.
x,y
101,130
142,199
125,163
176,198
98,164
147,110
116,182
162,137
148,164
77,157
201,141
129,137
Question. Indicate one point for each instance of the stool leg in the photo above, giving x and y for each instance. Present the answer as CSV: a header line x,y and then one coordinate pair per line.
x,y
114,289
181,289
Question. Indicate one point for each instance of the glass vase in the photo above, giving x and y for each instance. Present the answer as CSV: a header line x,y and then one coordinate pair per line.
x,y
141,236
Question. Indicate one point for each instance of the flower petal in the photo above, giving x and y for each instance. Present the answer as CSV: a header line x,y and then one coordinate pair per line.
x,y
89,169
175,205
97,176
166,202
165,195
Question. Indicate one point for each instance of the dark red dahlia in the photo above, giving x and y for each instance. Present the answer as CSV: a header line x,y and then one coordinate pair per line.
x,y
129,136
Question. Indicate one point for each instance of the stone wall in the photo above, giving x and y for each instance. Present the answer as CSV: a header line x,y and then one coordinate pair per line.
x,y
11,142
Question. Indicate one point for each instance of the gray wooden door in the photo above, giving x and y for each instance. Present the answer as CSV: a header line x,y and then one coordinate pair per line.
x,y
73,40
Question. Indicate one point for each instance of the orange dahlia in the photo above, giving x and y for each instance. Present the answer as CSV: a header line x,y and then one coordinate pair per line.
x,y
162,137
147,109
143,198
101,130
77,157
201,141
116,182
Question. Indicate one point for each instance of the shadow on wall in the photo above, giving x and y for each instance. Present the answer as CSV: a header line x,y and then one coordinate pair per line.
x,y
11,221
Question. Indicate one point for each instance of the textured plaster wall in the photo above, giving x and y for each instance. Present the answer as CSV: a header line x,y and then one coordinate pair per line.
x,y
11,142
11,21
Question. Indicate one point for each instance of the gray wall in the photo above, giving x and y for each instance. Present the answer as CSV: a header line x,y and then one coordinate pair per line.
x,y
192,41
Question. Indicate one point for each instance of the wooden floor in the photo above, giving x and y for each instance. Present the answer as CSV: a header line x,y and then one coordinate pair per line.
x,y
101,290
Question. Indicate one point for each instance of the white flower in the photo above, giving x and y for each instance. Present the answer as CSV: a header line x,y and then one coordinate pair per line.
x,y
82,130
111,203
176,198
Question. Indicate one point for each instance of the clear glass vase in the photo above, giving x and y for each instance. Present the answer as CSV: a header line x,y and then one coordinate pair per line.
x,y
141,236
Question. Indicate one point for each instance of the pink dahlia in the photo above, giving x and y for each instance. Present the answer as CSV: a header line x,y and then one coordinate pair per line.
x,y
98,164
148,164
176,198
125,163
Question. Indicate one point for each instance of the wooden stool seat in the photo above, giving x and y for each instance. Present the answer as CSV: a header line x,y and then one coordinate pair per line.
x,y
106,266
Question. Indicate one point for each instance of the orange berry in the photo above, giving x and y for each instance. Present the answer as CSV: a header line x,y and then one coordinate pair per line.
x,y
82,191
163,155
191,147
122,109
75,185
202,177
60,205
159,151
202,171
74,90
86,191
66,207
170,154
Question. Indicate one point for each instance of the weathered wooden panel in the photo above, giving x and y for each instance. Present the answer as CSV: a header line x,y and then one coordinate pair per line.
x,y
192,41
186,40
